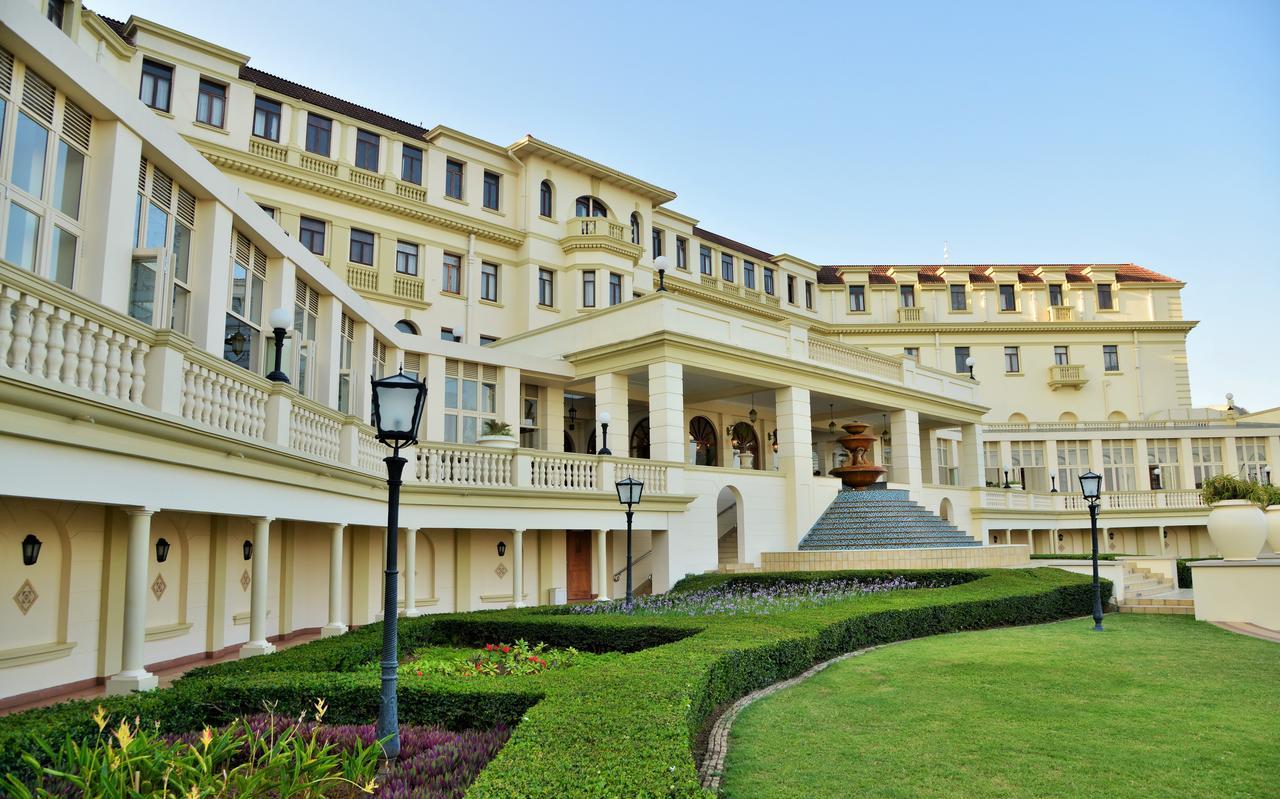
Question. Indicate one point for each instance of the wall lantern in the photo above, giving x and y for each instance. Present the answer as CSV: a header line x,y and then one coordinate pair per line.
x,y
502,549
573,413
31,549
162,550
248,549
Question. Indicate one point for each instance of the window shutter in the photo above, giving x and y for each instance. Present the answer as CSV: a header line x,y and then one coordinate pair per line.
x,y
260,263
142,174
37,96
162,189
77,125
186,207
243,249
6,70
413,362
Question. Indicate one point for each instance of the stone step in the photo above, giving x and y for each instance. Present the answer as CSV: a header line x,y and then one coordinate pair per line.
x,y
1167,610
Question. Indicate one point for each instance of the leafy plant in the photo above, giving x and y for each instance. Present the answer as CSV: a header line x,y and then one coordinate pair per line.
x,y
1223,487
1266,495
492,427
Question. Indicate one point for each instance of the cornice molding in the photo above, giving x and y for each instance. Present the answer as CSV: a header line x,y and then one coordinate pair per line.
x,y
717,298
1006,327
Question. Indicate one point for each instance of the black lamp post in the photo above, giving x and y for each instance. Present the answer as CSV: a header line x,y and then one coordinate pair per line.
x,y
31,549
1006,479
1053,481
397,411
1091,489
629,491
660,263
162,550
604,418
969,363
279,320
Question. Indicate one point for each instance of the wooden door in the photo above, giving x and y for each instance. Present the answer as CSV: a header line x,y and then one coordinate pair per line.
x,y
578,548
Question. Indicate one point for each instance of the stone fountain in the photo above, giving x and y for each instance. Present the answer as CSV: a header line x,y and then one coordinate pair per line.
x,y
859,472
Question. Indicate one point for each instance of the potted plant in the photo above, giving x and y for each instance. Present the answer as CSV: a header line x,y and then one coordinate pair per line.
x,y
497,435
1268,497
1237,525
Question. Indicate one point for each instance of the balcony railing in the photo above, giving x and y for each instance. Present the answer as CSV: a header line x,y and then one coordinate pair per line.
x,y
321,166
866,362
1066,376
597,226
1185,499
1061,313
409,287
1059,427
268,150
362,278
910,315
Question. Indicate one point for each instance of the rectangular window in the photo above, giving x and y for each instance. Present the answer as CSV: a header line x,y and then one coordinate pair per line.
x,y
1163,464
488,281
1027,464
911,352
948,475
991,463
446,334
311,234
857,299
1105,300
56,12
959,297
1073,461
406,258
487,340
791,289
302,342
346,344
907,295
1061,356
1055,295
453,179
546,288
808,294
1206,458
704,259
588,289
451,274
242,340
726,266
748,274
615,288
1012,363
266,119
1008,299
657,242
492,190
211,104
470,399
1110,358
1251,454
768,281
157,84
319,134
682,252
367,145
411,164
1118,473
962,360
361,247
30,149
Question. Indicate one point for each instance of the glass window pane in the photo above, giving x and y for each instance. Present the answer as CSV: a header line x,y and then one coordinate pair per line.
x,y
29,147
181,250
157,226
255,299
142,290
450,427
239,288
488,398
181,304
469,390
22,236
469,429
69,179
63,257
451,392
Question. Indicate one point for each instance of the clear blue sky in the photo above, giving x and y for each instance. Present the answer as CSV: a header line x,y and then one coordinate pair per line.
x,y
867,133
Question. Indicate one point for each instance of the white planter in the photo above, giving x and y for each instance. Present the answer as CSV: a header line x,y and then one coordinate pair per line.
x,y
745,460
1272,515
1238,529
497,442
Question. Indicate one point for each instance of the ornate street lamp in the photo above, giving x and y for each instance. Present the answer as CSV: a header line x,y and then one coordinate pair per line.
x,y
279,321
661,263
1091,489
31,549
604,418
397,411
162,550
629,491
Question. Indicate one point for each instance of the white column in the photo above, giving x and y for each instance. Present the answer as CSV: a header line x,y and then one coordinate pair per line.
x,y
667,437
611,398
904,428
1051,462
1006,463
517,568
509,399
335,625
603,578
433,413
1230,457
971,465
133,674
410,570
553,420
1186,463
1143,477
258,643
795,458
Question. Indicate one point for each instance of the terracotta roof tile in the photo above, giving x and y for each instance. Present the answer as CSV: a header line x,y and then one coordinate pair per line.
x,y
929,273
119,27
728,243
327,101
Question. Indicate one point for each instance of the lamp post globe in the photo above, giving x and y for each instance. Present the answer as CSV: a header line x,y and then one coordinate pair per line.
x,y
968,362
604,418
1091,490
629,492
279,321
397,411
662,264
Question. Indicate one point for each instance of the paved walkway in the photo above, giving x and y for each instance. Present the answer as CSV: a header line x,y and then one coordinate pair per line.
x,y
1244,628
167,676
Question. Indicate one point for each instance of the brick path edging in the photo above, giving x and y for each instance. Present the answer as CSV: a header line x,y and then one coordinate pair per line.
x,y
711,770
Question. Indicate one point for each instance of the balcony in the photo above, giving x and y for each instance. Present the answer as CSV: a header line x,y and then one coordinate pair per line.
x,y
1062,502
599,233
409,287
1061,313
362,278
910,315
1067,376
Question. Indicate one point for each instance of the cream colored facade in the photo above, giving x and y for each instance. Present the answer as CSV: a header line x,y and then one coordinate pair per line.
x,y
133,344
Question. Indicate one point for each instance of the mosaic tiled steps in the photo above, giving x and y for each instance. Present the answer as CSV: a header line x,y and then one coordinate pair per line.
x,y
881,518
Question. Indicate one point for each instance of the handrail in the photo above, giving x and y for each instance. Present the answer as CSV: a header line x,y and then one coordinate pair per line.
x,y
618,574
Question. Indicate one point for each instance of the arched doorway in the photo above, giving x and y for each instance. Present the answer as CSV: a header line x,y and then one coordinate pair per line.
x,y
728,526
640,439
703,441
945,510
746,444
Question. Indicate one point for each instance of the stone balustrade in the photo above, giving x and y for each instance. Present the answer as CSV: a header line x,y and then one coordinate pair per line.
x,y
1185,499
222,396
864,362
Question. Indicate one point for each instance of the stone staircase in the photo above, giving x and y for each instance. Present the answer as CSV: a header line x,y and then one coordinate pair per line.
x,y
1147,592
881,518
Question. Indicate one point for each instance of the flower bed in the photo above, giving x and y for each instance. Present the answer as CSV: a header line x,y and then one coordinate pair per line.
x,y
757,598
493,660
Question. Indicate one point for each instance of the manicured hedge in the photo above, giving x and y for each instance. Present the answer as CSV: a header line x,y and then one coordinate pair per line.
x,y
624,726
1184,570
1082,556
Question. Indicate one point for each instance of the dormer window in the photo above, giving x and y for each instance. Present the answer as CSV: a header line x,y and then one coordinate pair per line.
x,y
857,298
1055,295
1105,301
907,295
1008,297
959,297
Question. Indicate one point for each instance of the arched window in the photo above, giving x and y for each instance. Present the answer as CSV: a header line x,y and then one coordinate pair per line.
x,y
746,444
589,206
640,439
405,326
702,438
544,199
635,228
1017,418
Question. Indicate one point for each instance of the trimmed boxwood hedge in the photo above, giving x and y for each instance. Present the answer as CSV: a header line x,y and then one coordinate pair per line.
x,y
623,726
1184,570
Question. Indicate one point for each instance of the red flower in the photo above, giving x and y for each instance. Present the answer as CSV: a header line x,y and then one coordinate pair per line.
x,y
488,647
506,649
419,673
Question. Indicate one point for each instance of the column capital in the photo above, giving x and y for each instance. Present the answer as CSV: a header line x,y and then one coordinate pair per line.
x,y
262,519
141,511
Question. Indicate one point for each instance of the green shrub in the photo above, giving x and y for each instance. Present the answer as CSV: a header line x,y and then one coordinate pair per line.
x,y
1266,495
1222,487
1184,570
1082,556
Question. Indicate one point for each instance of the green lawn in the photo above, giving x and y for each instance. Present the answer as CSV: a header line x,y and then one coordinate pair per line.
x,y
1154,706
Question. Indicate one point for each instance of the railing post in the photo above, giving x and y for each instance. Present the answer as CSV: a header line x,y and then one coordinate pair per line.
x,y
279,409
608,472
349,442
522,465
165,373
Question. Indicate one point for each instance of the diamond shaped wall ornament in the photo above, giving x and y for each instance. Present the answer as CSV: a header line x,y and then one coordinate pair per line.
x,y
26,597
244,580
158,586
501,571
